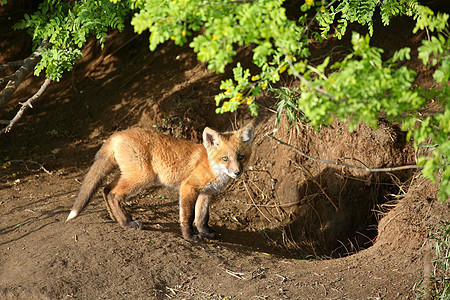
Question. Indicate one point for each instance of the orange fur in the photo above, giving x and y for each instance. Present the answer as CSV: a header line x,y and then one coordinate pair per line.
x,y
146,157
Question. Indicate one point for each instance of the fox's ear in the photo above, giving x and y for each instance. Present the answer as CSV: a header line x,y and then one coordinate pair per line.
x,y
248,133
210,137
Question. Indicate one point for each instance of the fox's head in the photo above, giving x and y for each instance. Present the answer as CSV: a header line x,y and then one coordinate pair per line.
x,y
229,152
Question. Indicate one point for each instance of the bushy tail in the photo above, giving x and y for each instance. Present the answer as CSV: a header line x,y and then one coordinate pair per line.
x,y
103,165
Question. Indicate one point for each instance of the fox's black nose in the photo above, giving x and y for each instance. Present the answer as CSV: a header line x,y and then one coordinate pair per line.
x,y
237,173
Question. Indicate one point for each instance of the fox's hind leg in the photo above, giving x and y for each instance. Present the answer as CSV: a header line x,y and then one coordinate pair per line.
x,y
115,195
106,192
135,173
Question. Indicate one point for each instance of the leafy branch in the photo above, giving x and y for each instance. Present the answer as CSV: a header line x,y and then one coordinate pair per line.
x,y
59,30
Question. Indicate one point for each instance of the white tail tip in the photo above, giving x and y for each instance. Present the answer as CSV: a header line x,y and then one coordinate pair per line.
x,y
73,214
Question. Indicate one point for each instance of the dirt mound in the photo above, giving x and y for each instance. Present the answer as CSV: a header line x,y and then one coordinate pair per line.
x,y
275,223
323,209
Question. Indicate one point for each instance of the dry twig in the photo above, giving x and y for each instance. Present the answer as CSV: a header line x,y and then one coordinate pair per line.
x,y
319,186
234,274
253,201
26,105
31,162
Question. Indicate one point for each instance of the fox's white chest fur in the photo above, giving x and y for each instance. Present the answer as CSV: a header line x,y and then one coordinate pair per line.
x,y
217,185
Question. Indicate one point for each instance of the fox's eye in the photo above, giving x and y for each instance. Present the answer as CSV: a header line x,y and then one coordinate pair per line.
x,y
225,158
241,157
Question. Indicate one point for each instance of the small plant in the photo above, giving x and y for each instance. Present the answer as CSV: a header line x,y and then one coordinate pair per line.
x,y
287,103
437,285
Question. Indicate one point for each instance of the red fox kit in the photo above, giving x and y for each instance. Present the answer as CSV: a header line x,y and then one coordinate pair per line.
x,y
146,157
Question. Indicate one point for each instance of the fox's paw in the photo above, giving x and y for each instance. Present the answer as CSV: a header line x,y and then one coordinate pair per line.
x,y
195,238
210,234
136,224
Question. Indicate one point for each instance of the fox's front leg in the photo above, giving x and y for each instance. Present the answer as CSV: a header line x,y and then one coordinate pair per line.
x,y
202,217
188,197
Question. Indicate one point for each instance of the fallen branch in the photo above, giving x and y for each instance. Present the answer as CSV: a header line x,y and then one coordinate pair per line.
x,y
26,105
25,68
342,164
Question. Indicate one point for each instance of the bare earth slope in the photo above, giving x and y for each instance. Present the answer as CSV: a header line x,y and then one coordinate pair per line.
x,y
268,248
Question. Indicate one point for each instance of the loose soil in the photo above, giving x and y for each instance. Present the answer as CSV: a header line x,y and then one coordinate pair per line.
x,y
290,228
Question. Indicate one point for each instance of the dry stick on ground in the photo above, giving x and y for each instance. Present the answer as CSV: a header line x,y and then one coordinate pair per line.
x,y
234,274
31,162
345,165
26,105
25,68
